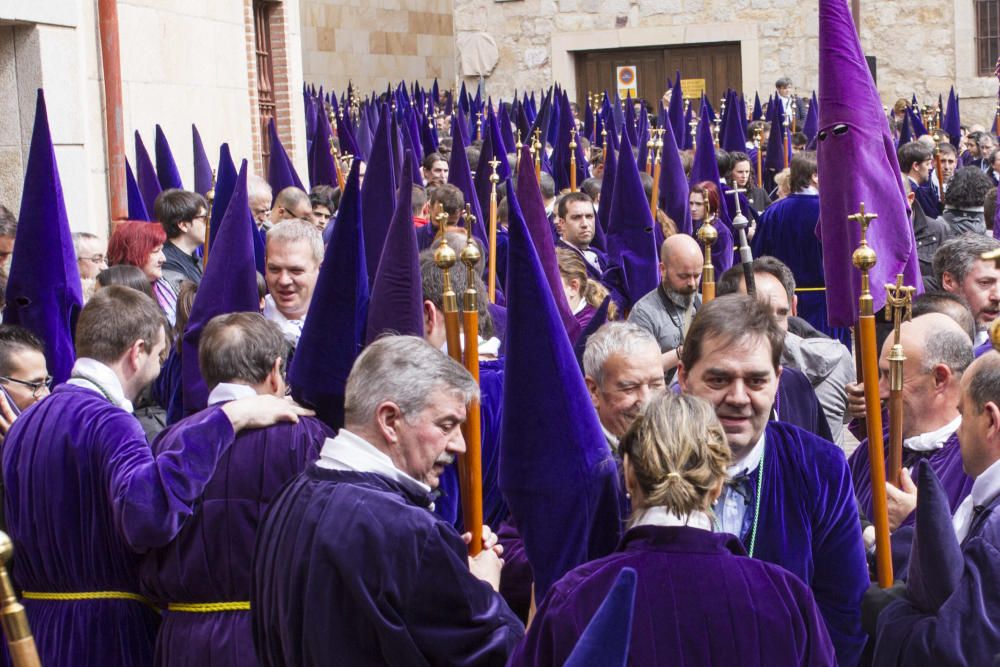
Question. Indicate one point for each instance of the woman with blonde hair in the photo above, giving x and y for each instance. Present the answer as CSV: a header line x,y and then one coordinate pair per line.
x,y
584,295
699,600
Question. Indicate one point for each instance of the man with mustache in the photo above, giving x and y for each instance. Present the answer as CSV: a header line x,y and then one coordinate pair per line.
x,y
789,498
666,312
351,565
960,269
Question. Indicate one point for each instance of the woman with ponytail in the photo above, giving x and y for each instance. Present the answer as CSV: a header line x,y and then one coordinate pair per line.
x,y
699,599
585,295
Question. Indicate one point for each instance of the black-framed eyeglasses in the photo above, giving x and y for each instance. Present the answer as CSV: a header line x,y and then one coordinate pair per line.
x,y
35,387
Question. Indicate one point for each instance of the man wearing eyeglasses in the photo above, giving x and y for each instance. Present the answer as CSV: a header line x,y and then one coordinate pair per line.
x,y
91,254
184,216
23,373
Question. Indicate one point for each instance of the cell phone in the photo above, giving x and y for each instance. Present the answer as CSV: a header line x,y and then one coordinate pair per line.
x,y
10,401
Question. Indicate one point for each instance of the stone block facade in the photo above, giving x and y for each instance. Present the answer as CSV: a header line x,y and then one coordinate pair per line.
x,y
375,43
920,48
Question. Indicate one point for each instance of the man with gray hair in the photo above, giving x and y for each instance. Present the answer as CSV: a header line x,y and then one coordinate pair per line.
x,y
621,365
294,252
937,353
260,196
351,563
8,232
91,254
240,355
960,269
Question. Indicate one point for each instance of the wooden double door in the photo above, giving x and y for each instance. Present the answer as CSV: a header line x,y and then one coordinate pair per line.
x,y
719,64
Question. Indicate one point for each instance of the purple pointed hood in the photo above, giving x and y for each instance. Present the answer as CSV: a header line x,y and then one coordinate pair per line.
x,y
607,189
674,189
229,285
334,331
397,295
556,469
858,163
705,166
149,184
377,203
136,206
166,168
322,166
44,294
936,563
280,172
631,242
202,167
526,204
606,639
952,123
460,175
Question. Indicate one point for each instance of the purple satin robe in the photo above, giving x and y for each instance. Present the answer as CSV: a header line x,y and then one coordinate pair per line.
x,y
84,496
209,560
352,568
699,601
945,462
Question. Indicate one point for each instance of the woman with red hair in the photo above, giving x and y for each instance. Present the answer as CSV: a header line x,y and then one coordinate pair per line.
x,y
140,244
704,202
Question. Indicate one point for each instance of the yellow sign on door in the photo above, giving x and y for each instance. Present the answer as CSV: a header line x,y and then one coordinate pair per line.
x,y
692,89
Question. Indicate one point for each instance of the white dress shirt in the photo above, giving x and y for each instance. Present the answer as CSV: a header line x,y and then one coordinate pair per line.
x,y
92,374
230,391
348,451
292,329
731,507
984,490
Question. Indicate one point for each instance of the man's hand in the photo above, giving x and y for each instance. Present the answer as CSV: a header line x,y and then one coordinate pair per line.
x,y
855,400
263,410
7,417
902,501
486,565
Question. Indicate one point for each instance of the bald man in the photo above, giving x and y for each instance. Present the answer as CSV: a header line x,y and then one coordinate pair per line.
x,y
667,311
937,353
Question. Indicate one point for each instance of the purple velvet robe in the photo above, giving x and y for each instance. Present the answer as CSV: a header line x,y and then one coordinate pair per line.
x,y
809,525
448,505
209,560
787,231
353,568
798,405
84,495
966,628
699,601
945,462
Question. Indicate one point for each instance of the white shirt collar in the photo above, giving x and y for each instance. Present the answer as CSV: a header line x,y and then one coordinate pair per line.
x,y
487,348
92,374
661,516
348,451
229,391
985,488
292,329
982,335
928,442
750,461
581,304
613,440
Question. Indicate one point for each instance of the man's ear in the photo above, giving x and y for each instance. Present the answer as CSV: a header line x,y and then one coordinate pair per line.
x,y
430,318
274,376
795,304
592,389
948,282
388,416
133,355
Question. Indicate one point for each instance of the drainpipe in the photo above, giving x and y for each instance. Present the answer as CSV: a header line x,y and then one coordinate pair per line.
x,y
107,11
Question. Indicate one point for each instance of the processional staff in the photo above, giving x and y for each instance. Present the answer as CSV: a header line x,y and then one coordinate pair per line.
x,y
758,136
518,146
572,159
470,468
20,642
784,142
537,145
937,171
864,259
604,152
492,275
740,224
210,199
335,152
654,203
445,258
898,308
694,133
707,234
650,148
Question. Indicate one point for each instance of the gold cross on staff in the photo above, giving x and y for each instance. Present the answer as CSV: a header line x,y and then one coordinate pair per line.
x,y
864,218
467,218
898,303
572,137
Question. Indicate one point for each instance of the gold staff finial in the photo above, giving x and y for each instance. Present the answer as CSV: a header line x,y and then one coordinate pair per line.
x,y
864,258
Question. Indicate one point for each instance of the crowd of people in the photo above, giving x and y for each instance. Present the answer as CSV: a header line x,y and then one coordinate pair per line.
x,y
170,503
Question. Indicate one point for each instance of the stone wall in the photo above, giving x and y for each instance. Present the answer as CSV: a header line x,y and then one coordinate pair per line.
x,y
920,48
374,43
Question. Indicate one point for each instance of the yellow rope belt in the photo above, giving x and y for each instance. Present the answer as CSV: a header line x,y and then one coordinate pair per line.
x,y
810,289
208,607
86,595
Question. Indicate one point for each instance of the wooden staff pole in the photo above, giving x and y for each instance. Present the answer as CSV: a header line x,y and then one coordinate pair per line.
x,y
470,463
864,259
707,234
784,143
210,198
654,203
898,307
20,642
758,136
572,159
538,146
492,275
937,171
